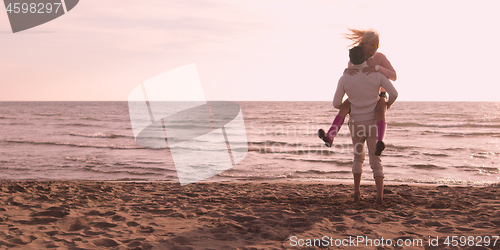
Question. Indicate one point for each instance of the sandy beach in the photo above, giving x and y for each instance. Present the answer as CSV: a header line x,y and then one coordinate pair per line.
x,y
125,215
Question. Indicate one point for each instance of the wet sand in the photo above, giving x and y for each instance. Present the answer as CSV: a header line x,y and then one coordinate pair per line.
x,y
126,215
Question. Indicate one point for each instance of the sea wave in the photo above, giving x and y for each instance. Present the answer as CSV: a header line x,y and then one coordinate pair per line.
x,y
327,160
151,162
71,144
488,170
472,134
15,169
439,181
102,171
339,176
399,147
297,151
47,114
79,125
481,155
86,160
427,166
275,143
280,144
255,178
460,134
20,124
323,172
457,125
391,166
98,135
481,169
436,155
90,119
453,149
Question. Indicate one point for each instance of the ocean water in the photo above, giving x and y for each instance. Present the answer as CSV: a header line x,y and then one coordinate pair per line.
x,y
427,142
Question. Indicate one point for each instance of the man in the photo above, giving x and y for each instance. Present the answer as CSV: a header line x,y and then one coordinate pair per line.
x,y
363,92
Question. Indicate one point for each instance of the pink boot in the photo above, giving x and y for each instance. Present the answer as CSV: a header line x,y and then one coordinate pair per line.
x,y
381,127
332,132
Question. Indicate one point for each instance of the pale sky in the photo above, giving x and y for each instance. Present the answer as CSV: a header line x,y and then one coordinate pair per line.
x,y
252,50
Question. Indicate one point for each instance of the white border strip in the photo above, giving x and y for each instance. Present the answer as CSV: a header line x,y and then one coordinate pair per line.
x,y
64,6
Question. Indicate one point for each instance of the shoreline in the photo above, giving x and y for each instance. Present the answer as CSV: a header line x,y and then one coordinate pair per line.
x,y
273,181
260,215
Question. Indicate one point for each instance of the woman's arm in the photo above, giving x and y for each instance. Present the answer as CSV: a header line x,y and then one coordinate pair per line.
x,y
386,68
350,70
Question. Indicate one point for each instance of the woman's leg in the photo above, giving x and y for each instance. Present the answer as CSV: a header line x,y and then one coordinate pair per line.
x,y
381,109
345,108
380,112
339,120
336,125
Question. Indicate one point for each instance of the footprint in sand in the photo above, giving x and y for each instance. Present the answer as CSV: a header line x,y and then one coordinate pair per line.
x,y
106,242
433,223
413,222
341,228
103,225
445,230
78,224
465,229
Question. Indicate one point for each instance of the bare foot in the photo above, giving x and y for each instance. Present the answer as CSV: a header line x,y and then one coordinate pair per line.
x,y
357,197
380,200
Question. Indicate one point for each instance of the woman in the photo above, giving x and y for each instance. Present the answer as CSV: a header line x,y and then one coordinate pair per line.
x,y
377,62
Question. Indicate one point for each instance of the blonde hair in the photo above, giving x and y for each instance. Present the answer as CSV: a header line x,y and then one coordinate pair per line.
x,y
361,36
